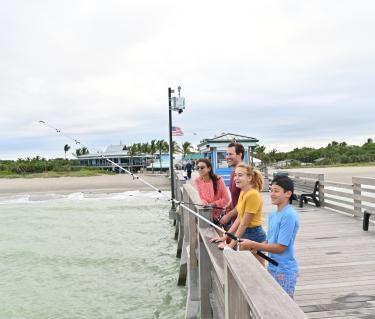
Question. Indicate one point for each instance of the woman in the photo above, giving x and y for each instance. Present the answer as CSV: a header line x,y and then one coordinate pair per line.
x,y
248,223
211,188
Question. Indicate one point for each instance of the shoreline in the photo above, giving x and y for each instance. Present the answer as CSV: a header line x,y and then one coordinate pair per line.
x,y
91,184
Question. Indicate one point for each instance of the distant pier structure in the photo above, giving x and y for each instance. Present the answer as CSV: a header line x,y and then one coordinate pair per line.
x,y
119,154
215,150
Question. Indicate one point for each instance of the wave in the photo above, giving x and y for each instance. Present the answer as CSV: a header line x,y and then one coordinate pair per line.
x,y
82,196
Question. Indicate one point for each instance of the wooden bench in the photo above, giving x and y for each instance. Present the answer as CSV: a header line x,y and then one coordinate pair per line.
x,y
303,189
366,218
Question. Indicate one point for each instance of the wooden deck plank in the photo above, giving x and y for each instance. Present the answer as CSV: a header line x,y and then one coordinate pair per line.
x,y
348,313
337,264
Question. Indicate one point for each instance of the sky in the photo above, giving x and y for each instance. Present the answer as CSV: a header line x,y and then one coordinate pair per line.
x,y
290,73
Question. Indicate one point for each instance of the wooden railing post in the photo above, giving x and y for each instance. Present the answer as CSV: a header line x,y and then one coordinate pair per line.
x,y
357,196
176,191
267,181
236,305
321,189
180,218
250,292
184,238
193,297
205,268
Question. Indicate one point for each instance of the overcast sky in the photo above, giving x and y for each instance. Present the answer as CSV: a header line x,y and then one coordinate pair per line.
x,y
290,73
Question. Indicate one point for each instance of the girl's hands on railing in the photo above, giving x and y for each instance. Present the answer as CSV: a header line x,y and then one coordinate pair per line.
x,y
222,245
218,239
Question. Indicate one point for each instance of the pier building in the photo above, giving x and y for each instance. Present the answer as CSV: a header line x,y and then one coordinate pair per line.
x,y
215,150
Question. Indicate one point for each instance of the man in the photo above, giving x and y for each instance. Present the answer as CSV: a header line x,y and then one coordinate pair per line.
x,y
235,155
283,226
188,169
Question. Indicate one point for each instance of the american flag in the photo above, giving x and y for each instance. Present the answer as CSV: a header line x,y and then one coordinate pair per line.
x,y
176,131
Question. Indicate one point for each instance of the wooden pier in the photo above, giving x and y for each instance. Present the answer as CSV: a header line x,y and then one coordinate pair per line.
x,y
336,258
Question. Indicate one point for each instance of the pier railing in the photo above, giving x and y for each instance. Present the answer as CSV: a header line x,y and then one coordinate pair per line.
x,y
351,198
230,284
223,284
309,178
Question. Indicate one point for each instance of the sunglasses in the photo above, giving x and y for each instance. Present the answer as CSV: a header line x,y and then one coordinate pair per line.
x,y
201,167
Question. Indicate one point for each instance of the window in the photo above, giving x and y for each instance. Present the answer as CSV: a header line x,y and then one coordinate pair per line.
x,y
221,160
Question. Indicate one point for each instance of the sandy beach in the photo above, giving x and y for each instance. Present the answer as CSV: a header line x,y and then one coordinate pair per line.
x,y
65,185
123,182
340,174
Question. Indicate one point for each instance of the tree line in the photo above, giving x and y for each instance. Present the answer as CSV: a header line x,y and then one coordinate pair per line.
x,y
333,153
36,164
39,164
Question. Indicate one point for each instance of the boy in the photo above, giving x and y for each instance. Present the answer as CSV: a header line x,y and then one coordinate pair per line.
x,y
282,230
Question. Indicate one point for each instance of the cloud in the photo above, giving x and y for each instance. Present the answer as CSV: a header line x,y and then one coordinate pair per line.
x,y
274,70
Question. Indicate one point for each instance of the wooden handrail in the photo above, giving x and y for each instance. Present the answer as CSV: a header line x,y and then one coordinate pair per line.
x,y
246,279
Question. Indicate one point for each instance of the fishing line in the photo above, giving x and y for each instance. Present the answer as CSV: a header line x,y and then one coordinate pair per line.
x,y
206,206
178,203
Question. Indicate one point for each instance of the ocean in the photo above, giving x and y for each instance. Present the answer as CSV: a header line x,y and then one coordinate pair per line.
x,y
88,256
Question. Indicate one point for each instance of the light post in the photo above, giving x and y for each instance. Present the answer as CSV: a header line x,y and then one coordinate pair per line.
x,y
175,104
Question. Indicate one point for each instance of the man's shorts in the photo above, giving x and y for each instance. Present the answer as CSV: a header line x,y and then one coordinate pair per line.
x,y
287,280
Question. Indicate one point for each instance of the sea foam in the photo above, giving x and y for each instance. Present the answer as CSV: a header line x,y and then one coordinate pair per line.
x,y
82,196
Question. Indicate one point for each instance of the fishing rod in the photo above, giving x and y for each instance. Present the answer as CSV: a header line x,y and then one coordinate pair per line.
x,y
206,206
178,203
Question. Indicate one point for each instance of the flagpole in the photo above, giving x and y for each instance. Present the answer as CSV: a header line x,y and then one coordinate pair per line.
x,y
170,91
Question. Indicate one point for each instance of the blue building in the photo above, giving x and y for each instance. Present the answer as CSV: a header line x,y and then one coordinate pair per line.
x,y
215,150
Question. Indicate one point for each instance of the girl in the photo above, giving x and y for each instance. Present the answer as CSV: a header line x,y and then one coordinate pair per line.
x,y
248,224
211,188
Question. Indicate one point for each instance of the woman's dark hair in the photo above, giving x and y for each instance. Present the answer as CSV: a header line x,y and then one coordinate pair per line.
x,y
212,175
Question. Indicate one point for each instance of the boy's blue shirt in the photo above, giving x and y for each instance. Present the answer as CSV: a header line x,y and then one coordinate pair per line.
x,y
282,229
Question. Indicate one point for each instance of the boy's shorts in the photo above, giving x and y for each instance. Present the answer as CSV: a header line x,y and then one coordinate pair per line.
x,y
287,280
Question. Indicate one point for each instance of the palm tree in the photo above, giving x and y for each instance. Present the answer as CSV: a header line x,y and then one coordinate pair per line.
x,y
272,154
132,150
176,148
260,151
66,148
152,152
145,148
161,146
186,149
85,150
82,151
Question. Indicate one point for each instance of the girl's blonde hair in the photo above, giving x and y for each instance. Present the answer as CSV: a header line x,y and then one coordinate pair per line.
x,y
256,176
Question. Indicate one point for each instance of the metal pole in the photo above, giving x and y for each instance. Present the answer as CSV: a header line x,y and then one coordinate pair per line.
x,y
170,91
